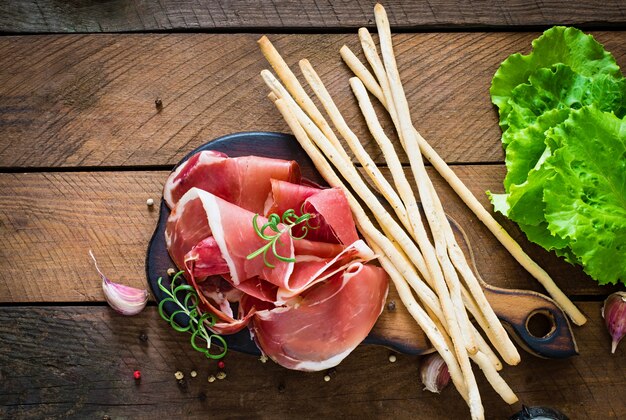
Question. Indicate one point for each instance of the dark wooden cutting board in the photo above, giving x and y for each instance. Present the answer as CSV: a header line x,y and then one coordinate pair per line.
x,y
395,327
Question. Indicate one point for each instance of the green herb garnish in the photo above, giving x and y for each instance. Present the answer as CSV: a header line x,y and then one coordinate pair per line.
x,y
289,219
197,322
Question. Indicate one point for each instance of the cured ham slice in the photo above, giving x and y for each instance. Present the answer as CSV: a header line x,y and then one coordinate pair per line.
x,y
331,204
330,320
227,328
254,175
334,222
207,259
307,310
220,293
316,248
309,271
243,181
200,170
215,297
233,230
259,289
186,226
287,195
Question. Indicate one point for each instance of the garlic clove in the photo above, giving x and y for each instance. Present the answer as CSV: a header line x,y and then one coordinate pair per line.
x,y
614,314
434,373
125,300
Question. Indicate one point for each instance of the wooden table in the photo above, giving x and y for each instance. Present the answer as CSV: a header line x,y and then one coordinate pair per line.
x,y
83,146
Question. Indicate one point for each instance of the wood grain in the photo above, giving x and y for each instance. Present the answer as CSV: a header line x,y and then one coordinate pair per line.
x,y
119,15
80,100
78,362
48,221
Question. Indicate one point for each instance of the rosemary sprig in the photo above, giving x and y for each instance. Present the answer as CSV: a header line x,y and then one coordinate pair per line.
x,y
197,322
289,219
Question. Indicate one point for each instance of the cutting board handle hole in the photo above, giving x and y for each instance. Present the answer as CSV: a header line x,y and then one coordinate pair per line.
x,y
541,324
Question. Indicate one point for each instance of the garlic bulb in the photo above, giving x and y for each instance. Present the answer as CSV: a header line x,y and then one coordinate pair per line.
x,y
614,314
434,373
123,299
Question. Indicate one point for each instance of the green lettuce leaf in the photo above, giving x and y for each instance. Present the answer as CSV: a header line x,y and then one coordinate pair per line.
x,y
525,200
524,205
525,147
540,235
559,87
569,46
585,199
499,202
561,110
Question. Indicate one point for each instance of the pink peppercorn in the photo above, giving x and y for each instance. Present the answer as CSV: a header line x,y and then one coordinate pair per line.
x,y
221,364
137,375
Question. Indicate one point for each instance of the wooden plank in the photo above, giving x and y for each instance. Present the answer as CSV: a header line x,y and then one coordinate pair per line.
x,y
48,221
81,100
118,15
79,361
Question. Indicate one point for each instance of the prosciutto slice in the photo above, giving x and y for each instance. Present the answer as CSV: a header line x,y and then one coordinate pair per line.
x,y
215,296
234,238
233,230
311,270
244,181
207,259
334,222
307,312
330,320
308,270
186,226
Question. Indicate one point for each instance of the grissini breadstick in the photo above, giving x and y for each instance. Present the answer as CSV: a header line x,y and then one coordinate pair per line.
x,y
378,244
371,54
494,378
293,85
467,196
424,321
353,142
500,233
357,67
417,165
510,353
404,187
408,197
385,242
484,347
478,315
372,57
